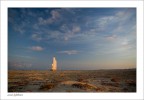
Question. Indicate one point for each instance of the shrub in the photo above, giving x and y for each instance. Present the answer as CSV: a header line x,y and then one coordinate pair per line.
x,y
47,86
83,86
115,79
12,89
131,83
110,84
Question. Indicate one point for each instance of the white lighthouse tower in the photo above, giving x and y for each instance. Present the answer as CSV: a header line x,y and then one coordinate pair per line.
x,y
54,64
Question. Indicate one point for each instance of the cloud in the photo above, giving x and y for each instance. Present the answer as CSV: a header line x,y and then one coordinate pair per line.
x,y
118,29
42,21
111,38
103,21
69,52
68,24
54,16
71,28
123,15
66,38
19,65
19,19
27,57
36,26
36,37
28,12
125,42
36,48
19,30
119,19
76,29
69,31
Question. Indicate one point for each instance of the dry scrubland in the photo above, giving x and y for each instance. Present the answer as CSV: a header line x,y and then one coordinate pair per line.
x,y
72,81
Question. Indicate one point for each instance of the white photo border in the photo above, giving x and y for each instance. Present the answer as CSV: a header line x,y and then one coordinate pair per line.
x,y
75,4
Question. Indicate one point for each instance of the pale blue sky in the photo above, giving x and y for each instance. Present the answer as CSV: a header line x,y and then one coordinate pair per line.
x,y
80,38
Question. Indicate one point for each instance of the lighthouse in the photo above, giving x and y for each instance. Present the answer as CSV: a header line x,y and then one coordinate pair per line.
x,y
54,64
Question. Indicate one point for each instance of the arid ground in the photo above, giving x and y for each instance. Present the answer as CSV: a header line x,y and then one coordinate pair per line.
x,y
122,80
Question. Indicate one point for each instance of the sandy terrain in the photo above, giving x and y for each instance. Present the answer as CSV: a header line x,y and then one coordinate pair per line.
x,y
72,81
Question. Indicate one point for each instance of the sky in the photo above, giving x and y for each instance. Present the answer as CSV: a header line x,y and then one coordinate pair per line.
x,y
79,38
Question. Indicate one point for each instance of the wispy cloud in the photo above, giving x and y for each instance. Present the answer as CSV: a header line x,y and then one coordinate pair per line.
x,y
89,33
111,38
36,37
69,52
125,42
19,30
21,56
36,48
54,16
19,65
104,21
70,31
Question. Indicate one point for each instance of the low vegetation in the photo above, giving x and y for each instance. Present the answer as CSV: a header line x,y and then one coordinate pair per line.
x,y
72,81
82,86
47,86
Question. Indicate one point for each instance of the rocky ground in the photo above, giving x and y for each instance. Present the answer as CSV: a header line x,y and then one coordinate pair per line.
x,y
72,81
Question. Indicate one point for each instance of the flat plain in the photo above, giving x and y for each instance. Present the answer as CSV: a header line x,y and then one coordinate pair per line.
x,y
114,80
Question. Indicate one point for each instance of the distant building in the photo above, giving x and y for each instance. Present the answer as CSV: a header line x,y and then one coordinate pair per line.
x,y
54,64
